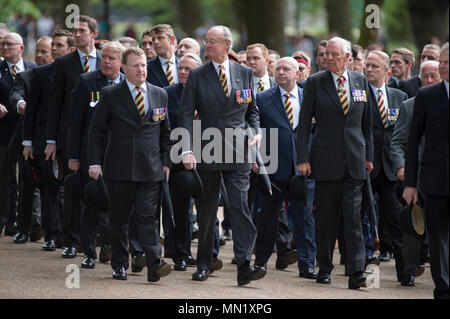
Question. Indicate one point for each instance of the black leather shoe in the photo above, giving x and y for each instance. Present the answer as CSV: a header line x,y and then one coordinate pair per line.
x,y
227,235
308,274
119,274
233,261
138,263
180,266
200,275
69,252
420,271
157,271
385,256
285,259
408,282
324,279
49,245
222,242
20,238
216,264
105,254
356,281
191,261
372,261
10,229
88,262
246,274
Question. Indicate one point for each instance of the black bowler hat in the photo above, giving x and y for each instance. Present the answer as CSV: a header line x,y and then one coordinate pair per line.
x,y
412,218
97,194
73,184
189,183
297,188
31,171
53,170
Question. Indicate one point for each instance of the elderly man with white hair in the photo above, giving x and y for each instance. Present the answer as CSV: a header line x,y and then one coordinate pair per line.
x,y
339,159
279,108
221,93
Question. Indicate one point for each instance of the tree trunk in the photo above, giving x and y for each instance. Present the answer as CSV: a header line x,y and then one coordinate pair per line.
x,y
339,18
265,23
369,34
188,16
429,21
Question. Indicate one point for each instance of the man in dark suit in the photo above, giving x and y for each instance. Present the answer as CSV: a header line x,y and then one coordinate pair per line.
x,y
279,108
35,135
258,59
220,91
341,153
13,63
385,103
134,162
401,63
67,70
430,118
411,248
18,97
85,97
162,70
410,86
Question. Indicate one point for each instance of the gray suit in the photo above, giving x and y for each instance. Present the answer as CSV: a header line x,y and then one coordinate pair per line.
x,y
133,161
341,146
204,93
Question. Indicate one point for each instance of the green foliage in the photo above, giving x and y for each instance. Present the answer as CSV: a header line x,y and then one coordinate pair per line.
x,y
397,25
25,7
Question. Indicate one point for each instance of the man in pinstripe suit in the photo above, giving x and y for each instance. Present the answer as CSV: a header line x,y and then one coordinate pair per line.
x,y
341,152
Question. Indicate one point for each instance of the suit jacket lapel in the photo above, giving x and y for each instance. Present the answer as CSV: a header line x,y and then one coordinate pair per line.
x,y
328,83
76,62
442,101
98,60
277,100
214,83
101,81
159,72
375,108
127,99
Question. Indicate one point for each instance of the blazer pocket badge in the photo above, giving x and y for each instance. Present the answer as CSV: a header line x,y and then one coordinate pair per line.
x,y
393,114
95,97
159,114
359,96
244,96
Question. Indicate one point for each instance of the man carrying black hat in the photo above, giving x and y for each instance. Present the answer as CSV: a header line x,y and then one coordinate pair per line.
x,y
134,162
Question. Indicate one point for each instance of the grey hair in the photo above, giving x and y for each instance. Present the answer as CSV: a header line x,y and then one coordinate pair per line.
x,y
293,62
4,27
132,42
444,47
193,56
434,64
431,47
116,45
383,55
227,35
44,37
345,44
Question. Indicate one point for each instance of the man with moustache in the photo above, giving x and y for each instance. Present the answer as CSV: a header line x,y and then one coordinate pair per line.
x,y
35,136
84,100
132,116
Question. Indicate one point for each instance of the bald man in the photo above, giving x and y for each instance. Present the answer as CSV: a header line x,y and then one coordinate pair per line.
x,y
188,45
12,48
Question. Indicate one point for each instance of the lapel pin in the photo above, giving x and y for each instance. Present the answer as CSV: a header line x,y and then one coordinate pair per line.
x,y
237,80
357,84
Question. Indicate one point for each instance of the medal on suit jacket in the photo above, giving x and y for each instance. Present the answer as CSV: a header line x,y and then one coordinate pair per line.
x,y
393,114
159,114
95,96
359,96
244,96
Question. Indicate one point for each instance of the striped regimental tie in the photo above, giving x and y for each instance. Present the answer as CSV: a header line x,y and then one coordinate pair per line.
x,y
288,108
169,73
223,80
139,100
86,67
261,86
14,71
343,94
382,108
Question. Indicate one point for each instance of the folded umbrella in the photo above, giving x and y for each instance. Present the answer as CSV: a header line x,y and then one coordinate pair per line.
x,y
167,201
372,213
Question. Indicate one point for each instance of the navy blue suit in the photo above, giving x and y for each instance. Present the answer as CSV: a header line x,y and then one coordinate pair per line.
x,y
155,73
273,115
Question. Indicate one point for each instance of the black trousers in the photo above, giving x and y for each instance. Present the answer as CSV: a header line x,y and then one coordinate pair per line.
x,y
25,199
336,199
243,230
437,234
144,196
8,186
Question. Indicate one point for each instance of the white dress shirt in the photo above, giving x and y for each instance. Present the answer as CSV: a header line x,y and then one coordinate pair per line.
x,y
92,59
173,67
134,92
265,80
226,69
295,103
